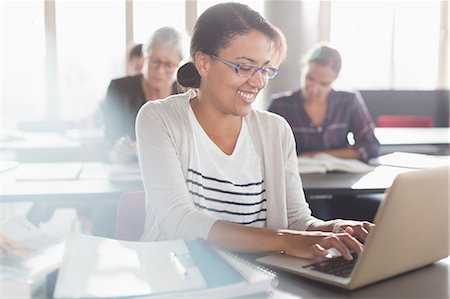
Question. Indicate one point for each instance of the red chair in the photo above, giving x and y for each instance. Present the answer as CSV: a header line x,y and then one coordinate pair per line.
x,y
405,121
130,216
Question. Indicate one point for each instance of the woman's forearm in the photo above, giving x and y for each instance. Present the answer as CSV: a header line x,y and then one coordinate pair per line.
x,y
303,244
238,237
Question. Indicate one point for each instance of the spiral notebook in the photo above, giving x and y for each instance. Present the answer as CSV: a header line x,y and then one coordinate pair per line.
x,y
95,267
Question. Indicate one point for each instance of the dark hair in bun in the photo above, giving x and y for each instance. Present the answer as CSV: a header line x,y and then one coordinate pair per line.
x,y
188,76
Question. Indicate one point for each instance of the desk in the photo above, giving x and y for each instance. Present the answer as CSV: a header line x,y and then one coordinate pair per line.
x,y
413,136
55,147
334,183
422,140
432,281
92,185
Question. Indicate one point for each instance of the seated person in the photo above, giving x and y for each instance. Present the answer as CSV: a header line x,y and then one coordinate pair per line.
x,y
162,55
215,168
135,59
321,117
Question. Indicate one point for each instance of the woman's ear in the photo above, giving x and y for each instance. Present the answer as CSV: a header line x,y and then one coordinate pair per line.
x,y
202,62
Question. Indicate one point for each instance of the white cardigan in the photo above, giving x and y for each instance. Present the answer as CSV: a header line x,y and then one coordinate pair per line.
x,y
164,140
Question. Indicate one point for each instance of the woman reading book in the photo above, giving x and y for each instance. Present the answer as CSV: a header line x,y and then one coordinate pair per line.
x,y
321,117
214,167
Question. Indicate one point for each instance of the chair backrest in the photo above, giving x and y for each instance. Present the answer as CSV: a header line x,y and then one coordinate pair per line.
x,y
130,216
413,121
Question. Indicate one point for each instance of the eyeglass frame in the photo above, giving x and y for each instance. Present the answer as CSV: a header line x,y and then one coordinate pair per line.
x,y
156,64
237,67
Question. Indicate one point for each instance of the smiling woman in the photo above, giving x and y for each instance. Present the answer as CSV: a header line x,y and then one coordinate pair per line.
x,y
214,167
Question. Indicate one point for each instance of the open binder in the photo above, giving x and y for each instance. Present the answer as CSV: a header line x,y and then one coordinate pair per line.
x,y
95,267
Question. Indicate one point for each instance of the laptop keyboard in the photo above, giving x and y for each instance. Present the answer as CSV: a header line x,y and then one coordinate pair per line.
x,y
337,266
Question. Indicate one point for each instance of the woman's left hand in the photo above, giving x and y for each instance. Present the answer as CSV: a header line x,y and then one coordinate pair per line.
x,y
358,229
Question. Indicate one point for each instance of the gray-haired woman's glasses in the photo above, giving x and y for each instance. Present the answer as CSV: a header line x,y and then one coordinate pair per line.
x,y
248,70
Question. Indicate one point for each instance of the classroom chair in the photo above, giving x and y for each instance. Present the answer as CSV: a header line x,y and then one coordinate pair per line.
x,y
130,216
405,121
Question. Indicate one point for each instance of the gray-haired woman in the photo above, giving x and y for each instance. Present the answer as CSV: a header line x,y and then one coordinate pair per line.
x,y
162,55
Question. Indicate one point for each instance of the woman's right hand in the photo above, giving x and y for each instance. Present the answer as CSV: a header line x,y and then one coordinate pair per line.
x,y
312,244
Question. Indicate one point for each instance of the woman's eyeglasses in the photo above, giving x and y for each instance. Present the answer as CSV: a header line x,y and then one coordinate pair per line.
x,y
248,70
167,66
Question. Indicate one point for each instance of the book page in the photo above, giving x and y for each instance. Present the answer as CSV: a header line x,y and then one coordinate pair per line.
x,y
322,163
311,165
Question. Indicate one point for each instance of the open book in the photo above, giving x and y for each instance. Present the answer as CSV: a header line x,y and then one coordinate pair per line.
x,y
95,267
322,163
27,256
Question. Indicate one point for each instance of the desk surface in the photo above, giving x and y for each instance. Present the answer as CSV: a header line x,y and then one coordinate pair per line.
x,y
334,183
432,281
55,147
413,136
92,184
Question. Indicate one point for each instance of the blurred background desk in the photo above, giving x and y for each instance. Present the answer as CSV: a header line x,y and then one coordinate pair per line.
x,y
92,185
348,195
419,140
72,145
340,183
93,195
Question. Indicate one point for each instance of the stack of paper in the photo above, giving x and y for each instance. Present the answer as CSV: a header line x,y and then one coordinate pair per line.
x,y
95,267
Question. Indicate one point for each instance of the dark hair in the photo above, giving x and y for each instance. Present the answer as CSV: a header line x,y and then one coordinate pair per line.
x,y
136,51
325,56
217,26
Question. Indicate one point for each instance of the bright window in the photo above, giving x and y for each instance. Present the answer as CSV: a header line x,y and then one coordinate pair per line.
x,y
91,51
22,60
148,16
255,4
386,45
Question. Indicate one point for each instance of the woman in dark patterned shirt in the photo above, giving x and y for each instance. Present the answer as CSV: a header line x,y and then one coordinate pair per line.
x,y
323,119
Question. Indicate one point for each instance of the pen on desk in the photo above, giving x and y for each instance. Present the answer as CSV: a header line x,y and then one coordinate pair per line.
x,y
178,265
79,171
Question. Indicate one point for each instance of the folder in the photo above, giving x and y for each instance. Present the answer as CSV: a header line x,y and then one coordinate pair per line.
x,y
95,267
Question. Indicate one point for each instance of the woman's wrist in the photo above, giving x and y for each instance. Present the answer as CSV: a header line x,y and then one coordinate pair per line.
x,y
280,242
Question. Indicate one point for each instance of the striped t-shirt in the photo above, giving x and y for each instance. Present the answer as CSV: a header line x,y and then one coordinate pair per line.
x,y
217,183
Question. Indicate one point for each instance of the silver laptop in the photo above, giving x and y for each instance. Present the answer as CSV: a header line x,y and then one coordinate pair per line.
x,y
412,230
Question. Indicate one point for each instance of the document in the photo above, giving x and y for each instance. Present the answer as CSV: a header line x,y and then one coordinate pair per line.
x,y
50,172
95,267
322,163
412,160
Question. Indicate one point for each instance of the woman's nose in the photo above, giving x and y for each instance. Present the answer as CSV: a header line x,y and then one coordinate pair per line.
x,y
257,80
